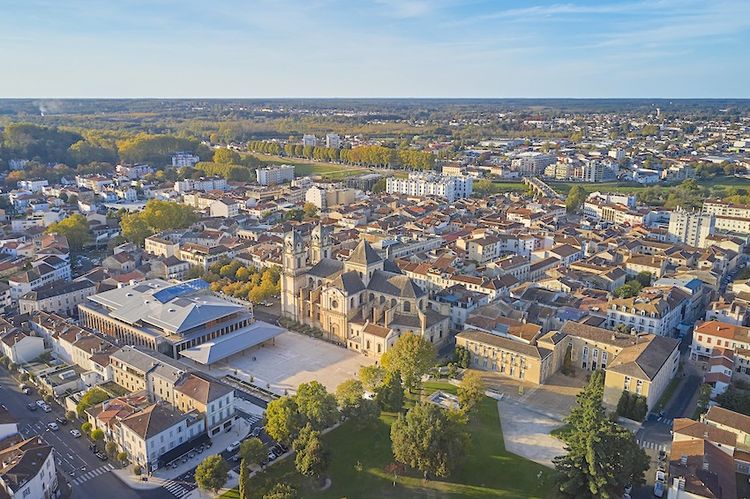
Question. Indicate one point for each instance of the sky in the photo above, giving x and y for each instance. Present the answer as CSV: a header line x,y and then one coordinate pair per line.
x,y
375,48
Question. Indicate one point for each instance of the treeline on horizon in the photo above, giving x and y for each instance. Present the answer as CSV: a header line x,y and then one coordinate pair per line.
x,y
56,152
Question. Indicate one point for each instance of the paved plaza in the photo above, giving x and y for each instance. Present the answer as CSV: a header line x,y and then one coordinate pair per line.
x,y
527,432
293,359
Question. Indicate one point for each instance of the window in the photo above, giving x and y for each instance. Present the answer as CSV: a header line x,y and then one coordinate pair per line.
x,y
627,383
639,387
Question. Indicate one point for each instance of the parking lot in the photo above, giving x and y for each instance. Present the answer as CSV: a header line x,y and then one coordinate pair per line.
x,y
294,359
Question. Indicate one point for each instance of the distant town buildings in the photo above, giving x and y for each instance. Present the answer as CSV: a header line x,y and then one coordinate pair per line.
x,y
209,184
333,140
309,140
532,163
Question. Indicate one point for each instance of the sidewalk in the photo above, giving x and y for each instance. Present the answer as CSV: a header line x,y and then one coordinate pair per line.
x,y
240,430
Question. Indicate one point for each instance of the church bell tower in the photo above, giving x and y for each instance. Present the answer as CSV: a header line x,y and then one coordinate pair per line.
x,y
293,273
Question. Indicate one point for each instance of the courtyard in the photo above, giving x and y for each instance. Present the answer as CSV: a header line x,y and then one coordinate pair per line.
x,y
290,360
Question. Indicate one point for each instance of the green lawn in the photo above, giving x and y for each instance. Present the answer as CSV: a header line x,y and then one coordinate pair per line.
x,y
303,167
500,186
333,172
359,460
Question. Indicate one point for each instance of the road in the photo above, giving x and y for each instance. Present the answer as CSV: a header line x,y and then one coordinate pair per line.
x,y
90,477
655,433
268,314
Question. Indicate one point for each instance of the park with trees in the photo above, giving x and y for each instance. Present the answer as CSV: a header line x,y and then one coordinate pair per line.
x,y
376,437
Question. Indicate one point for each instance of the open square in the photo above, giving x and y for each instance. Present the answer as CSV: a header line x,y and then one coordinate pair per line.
x,y
292,359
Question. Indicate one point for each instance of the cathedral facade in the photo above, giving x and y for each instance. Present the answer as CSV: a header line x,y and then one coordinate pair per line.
x,y
365,302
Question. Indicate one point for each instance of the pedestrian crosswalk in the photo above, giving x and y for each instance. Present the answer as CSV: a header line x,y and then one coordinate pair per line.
x,y
645,444
175,488
253,418
92,474
666,421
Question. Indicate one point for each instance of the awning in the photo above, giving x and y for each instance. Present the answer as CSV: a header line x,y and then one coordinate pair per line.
x,y
224,346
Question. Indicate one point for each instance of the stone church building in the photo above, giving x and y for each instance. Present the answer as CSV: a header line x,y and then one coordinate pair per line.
x,y
365,302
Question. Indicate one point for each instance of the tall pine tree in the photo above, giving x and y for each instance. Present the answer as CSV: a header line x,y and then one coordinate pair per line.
x,y
602,457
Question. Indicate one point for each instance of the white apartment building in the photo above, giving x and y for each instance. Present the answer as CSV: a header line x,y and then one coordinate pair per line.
x,y
134,171
274,175
629,200
592,171
616,213
309,140
729,217
36,219
204,184
691,228
430,184
96,183
32,185
532,163
333,140
184,159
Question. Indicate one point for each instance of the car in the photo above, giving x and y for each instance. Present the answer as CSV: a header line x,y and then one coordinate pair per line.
x,y
233,446
46,408
660,476
75,433
61,420
22,386
256,431
41,403
101,455
271,456
32,407
53,426
628,488
659,489
26,391
662,455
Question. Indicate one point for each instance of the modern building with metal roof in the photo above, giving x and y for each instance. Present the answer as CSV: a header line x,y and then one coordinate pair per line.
x,y
166,317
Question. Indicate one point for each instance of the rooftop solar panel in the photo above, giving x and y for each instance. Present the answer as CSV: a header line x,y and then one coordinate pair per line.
x,y
187,287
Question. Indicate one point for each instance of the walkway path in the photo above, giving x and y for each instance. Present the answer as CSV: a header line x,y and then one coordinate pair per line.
x,y
527,432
